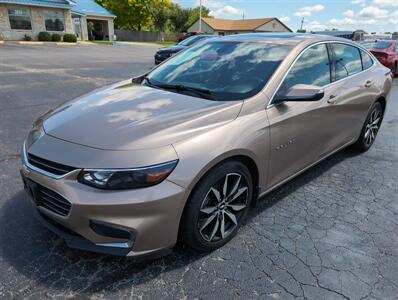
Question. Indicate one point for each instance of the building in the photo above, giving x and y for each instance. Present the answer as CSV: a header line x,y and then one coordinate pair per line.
x,y
29,17
350,35
225,27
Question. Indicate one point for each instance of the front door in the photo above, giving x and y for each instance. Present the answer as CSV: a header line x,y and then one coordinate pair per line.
x,y
300,131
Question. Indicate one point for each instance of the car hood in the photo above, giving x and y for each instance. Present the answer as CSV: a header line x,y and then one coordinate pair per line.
x,y
172,49
127,116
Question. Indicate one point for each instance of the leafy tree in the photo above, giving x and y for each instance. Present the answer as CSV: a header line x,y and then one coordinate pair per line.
x,y
159,10
195,13
131,14
179,18
301,30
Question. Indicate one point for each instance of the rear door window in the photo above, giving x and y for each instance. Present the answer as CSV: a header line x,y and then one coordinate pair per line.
x,y
367,61
347,60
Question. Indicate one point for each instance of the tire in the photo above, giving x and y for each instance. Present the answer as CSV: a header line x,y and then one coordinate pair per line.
x,y
208,208
370,128
395,70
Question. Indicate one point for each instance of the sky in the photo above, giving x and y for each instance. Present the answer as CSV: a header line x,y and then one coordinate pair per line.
x,y
371,15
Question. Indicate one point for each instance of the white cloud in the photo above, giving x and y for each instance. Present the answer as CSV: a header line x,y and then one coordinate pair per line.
x,y
308,10
315,26
349,13
284,19
226,11
385,3
394,14
359,2
343,22
373,12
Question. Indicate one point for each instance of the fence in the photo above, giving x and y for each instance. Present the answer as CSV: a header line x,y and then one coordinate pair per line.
x,y
144,36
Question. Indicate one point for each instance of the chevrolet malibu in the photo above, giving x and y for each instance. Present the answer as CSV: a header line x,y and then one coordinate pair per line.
x,y
182,153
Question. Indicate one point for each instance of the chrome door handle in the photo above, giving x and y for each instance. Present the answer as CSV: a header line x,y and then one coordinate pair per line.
x,y
332,99
368,83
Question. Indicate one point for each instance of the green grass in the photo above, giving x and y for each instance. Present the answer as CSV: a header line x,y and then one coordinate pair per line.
x,y
102,42
153,43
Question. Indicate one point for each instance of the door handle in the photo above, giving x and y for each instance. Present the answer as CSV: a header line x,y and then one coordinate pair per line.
x,y
332,99
368,83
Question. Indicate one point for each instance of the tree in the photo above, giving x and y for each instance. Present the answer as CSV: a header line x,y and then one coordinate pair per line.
x,y
131,14
301,30
179,18
159,10
194,14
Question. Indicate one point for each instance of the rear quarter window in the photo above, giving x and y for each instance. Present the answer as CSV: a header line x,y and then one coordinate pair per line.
x,y
367,61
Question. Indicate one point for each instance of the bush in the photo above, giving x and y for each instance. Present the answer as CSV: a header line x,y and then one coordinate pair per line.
x,y
70,38
44,36
27,38
56,37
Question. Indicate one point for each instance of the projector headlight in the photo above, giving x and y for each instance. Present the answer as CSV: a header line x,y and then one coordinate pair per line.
x,y
121,179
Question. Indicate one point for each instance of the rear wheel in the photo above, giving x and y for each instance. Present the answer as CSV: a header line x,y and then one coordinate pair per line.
x,y
370,128
395,69
217,206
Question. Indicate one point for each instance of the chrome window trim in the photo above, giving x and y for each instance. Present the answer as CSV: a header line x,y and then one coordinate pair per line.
x,y
27,164
270,104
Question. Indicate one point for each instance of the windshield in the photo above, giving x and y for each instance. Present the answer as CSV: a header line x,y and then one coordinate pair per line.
x,y
227,70
192,40
377,45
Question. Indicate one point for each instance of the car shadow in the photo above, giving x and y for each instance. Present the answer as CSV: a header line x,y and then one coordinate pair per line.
x,y
45,260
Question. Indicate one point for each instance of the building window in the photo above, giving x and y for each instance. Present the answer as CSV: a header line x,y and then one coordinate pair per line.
x,y
19,19
54,20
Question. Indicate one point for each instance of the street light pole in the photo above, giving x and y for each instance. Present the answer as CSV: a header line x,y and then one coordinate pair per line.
x,y
200,16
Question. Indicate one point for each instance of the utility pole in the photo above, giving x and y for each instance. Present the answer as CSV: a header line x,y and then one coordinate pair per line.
x,y
302,23
200,16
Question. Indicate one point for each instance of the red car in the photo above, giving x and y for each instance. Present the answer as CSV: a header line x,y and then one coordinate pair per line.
x,y
386,51
188,34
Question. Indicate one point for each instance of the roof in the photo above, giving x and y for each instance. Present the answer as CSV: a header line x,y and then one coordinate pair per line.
x,y
242,25
90,8
283,38
43,3
81,7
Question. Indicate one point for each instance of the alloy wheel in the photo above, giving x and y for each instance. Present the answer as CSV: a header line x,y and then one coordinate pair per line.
x,y
223,207
373,126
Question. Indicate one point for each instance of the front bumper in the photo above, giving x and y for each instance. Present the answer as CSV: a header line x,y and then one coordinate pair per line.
x,y
151,216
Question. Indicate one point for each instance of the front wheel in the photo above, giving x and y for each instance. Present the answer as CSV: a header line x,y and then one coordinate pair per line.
x,y
217,206
370,128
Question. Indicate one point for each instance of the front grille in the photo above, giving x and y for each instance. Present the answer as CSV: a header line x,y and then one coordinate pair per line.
x,y
52,201
49,166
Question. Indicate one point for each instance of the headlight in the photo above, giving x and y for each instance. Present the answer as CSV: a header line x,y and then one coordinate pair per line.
x,y
121,179
35,133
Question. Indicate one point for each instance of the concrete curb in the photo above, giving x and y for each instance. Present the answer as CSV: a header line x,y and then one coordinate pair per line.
x,y
37,43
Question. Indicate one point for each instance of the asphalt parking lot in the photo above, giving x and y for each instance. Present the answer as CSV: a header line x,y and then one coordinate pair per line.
x,y
332,233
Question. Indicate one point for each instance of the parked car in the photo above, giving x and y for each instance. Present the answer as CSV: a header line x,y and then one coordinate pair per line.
x,y
183,151
386,51
188,34
164,53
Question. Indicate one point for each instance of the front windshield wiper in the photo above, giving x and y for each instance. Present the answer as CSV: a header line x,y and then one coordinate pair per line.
x,y
204,93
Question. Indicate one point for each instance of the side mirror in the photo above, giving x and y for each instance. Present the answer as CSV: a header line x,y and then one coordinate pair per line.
x,y
300,92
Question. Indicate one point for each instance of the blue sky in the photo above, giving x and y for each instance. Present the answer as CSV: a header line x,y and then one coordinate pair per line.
x,y
371,15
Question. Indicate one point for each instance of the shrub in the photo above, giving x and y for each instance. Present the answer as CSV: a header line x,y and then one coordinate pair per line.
x,y
27,38
44,36
56,37
70,38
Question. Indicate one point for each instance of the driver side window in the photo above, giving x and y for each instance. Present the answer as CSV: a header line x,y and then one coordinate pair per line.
x,y
312,68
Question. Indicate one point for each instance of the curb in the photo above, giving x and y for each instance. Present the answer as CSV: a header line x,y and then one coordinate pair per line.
x,y
37,43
